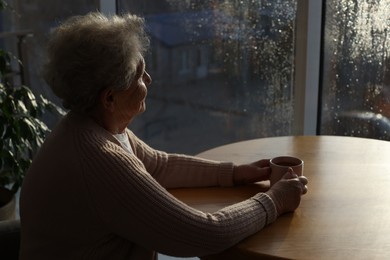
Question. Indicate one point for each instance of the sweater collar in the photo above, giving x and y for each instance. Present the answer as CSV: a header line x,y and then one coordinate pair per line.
x,y
83,121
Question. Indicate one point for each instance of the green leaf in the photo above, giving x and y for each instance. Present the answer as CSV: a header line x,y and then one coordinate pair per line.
x,y
40,125
30,97
48,105
21,108
27,128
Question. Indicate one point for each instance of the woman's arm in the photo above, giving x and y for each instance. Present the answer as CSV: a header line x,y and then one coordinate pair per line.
x,y
133,205
178,170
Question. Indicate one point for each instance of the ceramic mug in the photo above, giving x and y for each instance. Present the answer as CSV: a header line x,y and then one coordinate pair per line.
x,y
279,166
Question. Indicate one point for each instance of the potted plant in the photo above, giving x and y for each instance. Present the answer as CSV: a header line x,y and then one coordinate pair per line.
x,y
22,132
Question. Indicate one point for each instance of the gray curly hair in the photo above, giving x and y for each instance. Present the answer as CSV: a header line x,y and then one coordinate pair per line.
x,y
89,53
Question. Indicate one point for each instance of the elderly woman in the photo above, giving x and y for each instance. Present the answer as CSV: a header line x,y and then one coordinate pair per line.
x,y
96,191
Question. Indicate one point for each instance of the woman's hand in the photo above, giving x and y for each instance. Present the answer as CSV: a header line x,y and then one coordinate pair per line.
x,y
286,193
250,173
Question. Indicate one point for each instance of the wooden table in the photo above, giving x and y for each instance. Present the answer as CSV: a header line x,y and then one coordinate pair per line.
x,y
345,214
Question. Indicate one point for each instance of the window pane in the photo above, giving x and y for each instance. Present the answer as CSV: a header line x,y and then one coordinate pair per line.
x,y
356,76
222,71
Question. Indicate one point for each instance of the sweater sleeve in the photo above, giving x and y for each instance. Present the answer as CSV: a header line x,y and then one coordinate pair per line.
x,y
178,170
134,206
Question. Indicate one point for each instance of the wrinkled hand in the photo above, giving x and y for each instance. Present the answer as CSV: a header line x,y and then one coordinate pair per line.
x,y
250,173
287,192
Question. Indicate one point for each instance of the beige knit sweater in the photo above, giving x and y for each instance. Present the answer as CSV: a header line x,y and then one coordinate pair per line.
x,y
85,197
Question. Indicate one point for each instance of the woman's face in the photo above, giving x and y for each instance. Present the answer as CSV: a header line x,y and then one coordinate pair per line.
x,y
131,102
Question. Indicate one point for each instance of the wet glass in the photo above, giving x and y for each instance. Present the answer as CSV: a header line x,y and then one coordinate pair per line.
x,y
356,69
222,71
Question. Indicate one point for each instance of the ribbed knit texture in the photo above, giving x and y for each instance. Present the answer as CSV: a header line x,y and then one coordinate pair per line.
x,y
85,197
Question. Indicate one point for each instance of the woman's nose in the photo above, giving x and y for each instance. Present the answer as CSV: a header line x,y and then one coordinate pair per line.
x,y
147,78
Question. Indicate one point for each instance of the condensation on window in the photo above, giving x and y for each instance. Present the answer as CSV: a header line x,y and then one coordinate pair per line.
x,y
356,69
222,71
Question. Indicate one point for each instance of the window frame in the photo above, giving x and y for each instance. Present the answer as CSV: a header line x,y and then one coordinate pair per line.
x,y
307,68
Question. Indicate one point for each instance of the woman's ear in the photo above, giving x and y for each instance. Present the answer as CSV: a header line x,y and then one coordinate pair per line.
x,y
107,99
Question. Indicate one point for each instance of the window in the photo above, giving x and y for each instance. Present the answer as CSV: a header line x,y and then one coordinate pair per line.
x,y
225,71
231,70
356,86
